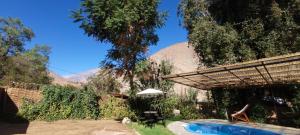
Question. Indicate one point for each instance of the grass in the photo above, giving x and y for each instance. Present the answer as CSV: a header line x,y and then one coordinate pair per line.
x,y
157,129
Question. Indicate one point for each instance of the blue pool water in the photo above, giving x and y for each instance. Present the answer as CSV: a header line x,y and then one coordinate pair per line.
x,y
223,129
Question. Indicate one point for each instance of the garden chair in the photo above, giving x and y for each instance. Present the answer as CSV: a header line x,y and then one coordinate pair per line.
x,y
241,115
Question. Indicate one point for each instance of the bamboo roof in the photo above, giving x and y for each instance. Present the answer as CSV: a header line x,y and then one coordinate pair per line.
x,y
273,70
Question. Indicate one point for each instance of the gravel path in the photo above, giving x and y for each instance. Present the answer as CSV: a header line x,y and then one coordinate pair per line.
x,y
67,127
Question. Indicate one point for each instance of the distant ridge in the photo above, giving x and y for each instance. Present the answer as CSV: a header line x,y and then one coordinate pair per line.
x,y
181,55
61,80
83,76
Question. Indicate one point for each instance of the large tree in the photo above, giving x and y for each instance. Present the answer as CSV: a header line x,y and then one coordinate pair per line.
x,y
129,25
104,82
29,66
229,31
149,73
13,35
17,63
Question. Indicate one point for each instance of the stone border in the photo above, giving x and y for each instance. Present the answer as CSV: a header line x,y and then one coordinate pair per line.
x,y
178,127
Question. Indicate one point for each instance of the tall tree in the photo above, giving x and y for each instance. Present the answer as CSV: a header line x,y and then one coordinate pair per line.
x,y
29,66
13,35
104,82
17,63
149,73
129,25
229,31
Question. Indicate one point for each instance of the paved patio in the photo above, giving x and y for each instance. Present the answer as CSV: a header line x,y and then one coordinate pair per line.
x,y
67,127
178,127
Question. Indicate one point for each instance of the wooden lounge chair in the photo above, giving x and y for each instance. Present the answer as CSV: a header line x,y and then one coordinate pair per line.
x,y
241,115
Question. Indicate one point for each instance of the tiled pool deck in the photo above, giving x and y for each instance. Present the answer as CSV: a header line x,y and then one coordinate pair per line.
x,y
178,127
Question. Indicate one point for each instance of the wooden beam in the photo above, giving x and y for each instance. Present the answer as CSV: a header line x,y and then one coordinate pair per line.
x,y
235,75
212,79
267,71
244,65
262,75
193,81
186,84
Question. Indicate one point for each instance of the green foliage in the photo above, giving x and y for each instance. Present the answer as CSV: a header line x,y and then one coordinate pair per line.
x,y
191,96
166,105
157,129
128,25
296,107
149,75
258,113
62,102
187,105
228,100
116,108
224,32
104,82
17,63
188,111
296,101
13,37
28,67
213,43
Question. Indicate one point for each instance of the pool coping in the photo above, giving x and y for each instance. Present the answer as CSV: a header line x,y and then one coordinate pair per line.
x,y
177,127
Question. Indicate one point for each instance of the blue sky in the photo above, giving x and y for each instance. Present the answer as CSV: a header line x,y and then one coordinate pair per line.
x,y
72,50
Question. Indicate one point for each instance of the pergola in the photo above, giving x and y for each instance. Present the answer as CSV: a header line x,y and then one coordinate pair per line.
x,y
275,70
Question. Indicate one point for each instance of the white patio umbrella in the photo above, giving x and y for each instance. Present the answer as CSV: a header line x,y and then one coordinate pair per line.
x,y
150,93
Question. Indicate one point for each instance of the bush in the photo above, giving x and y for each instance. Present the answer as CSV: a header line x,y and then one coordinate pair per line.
x,y
258,113
188,111
115,108
296,108
166,106
62,102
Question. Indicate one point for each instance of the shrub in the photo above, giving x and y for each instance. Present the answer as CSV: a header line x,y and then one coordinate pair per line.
x,y
166,106
188,111
115,108
104,82
296,108
62,102
258,113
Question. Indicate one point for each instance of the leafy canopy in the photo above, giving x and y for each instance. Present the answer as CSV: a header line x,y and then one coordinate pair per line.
x,y
104,82
129,25
13,37
149,73
229,31
62,102
17,63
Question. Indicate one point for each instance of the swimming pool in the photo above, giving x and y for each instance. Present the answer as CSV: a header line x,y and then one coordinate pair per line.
x,y
224,129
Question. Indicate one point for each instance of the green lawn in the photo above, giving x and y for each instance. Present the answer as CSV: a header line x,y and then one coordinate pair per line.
x,y
158,129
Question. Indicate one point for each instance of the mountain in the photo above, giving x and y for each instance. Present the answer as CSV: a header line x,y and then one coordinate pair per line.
x,y
184,59
83,76
181,55
61,80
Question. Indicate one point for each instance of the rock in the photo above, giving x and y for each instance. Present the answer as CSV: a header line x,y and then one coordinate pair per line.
x,y
176,112
126,120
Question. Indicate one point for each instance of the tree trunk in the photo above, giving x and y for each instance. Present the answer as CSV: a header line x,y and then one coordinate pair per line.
x,y
131,84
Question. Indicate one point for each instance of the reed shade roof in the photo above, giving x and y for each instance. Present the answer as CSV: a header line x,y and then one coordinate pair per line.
x,y
274,70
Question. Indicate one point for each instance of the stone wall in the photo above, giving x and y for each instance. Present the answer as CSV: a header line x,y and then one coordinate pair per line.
x,y
11,98
17,95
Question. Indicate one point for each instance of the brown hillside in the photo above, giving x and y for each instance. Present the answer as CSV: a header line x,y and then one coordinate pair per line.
x,y
182,56
62,81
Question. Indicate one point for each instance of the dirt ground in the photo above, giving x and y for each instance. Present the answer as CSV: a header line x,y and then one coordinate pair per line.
x,y
67,127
